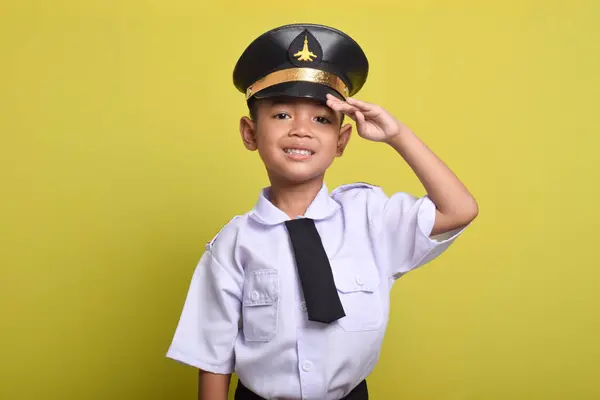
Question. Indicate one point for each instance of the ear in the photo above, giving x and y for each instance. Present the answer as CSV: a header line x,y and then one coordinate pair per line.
x,y
248,133
343,139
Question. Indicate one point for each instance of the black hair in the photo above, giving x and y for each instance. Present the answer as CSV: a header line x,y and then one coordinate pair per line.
x,y
252,109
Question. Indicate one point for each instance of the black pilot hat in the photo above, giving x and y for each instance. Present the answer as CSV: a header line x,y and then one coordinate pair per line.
x,y
301,60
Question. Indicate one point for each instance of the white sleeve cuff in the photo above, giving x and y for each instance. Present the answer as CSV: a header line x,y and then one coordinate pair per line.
x,y
176,355
426,220
428,247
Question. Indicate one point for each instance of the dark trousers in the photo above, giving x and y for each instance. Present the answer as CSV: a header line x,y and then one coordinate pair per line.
x,y
360,392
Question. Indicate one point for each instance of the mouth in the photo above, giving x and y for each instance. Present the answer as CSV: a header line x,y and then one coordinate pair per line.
x,y
298,154
302,152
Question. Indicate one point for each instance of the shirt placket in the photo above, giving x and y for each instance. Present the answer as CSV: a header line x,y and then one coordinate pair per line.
x,y
311,363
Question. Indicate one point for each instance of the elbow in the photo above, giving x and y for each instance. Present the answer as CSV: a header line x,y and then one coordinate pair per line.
x,y
464,214
461,215
470,211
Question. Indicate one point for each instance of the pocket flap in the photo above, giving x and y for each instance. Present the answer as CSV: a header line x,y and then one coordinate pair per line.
x,y
355,275
261,288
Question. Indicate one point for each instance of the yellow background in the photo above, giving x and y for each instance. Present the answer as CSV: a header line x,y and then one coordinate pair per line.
x,y
120,158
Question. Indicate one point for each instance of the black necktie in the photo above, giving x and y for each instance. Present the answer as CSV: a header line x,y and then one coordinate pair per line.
x,y
322,301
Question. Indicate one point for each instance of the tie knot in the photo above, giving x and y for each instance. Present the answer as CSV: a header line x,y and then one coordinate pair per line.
x,y
299,221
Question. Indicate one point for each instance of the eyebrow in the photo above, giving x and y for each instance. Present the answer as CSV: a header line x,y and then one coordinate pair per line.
x,y
285,102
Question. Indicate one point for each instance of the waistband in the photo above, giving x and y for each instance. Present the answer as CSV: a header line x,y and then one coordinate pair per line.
x,y
360,392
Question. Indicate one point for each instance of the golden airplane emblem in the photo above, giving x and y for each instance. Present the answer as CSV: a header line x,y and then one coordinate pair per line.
x,y
305,54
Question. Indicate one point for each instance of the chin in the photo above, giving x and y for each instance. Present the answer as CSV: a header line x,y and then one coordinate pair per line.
x,y
297,177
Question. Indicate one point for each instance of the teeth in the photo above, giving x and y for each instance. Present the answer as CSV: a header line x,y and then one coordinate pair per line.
x,y
298,151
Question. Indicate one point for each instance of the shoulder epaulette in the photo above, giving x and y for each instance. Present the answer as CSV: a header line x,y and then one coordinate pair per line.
x,y
350,186
210,244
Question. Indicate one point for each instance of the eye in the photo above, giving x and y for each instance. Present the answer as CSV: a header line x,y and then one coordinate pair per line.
x,y
281,115
322,120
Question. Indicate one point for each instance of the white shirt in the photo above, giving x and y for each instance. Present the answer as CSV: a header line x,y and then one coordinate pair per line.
x,y
244,311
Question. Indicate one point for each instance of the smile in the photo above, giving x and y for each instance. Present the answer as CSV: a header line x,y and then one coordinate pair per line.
x,y
301,152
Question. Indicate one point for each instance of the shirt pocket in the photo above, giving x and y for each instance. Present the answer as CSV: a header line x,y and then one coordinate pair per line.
x,y
357,282
260,305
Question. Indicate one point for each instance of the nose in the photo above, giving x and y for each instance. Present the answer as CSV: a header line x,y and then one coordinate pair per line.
x,y
300,128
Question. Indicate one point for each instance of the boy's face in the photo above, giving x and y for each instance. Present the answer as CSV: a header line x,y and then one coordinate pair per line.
x,y
297,139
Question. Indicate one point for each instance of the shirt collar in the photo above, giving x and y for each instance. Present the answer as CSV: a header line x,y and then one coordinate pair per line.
x,y
322,207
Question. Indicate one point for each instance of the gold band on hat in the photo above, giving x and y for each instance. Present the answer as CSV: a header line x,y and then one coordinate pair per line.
x,y
298,75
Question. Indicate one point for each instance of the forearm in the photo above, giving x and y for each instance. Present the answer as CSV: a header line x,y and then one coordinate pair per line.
x,y
213,386
456,206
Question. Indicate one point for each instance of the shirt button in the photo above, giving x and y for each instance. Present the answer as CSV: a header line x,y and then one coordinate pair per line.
x,y
359,280
307,366
303,306
255,296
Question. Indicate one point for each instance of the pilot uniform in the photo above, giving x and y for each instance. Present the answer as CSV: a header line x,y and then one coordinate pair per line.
x,y
298,308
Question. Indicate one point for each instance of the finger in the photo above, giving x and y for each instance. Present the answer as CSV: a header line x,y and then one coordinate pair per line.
x,y
334,100
342,107
351,115
360,120
331,98
361,105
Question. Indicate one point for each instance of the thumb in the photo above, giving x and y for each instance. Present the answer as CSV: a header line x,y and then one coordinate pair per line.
x,y
360,121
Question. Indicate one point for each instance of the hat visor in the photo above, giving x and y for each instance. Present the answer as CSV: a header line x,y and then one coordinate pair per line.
x,y
299,89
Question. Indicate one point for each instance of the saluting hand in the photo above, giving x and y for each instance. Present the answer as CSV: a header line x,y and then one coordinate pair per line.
x,y
372,121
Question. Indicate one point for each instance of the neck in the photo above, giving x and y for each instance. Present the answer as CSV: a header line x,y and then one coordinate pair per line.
x,y
295,198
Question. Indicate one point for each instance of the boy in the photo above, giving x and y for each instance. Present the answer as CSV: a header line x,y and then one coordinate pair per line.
x,y
294,295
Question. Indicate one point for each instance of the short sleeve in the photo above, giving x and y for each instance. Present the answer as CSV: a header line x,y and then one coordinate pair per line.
x,y
401,226
209,322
